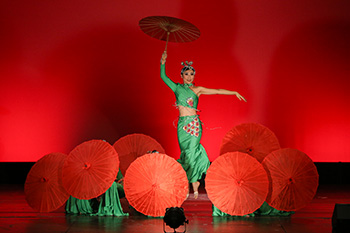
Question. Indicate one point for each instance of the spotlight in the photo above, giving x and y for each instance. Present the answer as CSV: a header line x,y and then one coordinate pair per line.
x,y
175,217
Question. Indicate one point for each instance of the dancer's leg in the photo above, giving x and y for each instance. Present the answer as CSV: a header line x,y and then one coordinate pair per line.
x,y
188,192
193,158
195,186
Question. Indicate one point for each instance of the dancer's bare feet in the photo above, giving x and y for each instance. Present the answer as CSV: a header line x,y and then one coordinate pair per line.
x,y
188,193
195,186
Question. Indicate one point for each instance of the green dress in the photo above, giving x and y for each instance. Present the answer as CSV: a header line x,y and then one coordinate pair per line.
x,y
264,209
109,204
193,157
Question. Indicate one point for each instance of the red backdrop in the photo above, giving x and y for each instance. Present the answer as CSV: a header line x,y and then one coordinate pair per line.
x,y
74,70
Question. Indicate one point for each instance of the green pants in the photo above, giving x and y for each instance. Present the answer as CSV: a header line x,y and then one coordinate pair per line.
x,y
193,158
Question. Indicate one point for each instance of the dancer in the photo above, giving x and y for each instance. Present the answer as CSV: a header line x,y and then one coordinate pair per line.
x,y
193,158
108,204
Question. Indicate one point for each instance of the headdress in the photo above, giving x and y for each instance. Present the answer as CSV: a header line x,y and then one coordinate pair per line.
x,y
187,66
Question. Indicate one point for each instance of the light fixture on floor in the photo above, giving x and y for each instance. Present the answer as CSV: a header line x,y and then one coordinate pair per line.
x,y
175,217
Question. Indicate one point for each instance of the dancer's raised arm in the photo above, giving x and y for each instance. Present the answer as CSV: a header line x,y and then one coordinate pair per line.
x,y
209,91
163,75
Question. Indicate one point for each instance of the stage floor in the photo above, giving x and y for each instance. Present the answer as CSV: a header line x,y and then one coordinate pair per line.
x,y
17,216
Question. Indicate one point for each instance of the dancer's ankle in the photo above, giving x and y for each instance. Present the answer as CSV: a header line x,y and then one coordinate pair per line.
x,y
195,194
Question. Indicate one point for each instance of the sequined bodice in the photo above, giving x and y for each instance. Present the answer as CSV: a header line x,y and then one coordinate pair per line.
x,y
185,96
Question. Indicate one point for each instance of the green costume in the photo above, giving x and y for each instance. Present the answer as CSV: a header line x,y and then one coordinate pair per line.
x,y
79,206
264,209
109,204
193,158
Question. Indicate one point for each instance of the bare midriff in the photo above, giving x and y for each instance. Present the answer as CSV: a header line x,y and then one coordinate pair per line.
x,y
185,111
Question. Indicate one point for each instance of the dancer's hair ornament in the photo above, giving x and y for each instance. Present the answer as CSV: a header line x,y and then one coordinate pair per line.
x,y
187,66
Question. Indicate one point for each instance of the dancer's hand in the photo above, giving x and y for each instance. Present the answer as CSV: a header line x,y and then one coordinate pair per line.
x,y
164,56
121,181
240,97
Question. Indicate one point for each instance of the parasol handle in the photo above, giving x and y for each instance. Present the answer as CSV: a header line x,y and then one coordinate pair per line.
x,y
167,39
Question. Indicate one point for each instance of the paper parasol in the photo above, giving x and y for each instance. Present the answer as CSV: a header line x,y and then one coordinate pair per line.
x,y
154,182
43,187
236,183
294,179
169,29
90,169
251,138
133,146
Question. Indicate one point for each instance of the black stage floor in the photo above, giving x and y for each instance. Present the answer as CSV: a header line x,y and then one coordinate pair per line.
x,y
316,217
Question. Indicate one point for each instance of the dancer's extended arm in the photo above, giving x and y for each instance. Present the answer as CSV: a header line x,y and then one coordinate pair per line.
x,y
165,78
209,91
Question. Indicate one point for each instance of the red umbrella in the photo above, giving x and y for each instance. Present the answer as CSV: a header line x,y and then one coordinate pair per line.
x,y
154,182
133,146
169,29
294,179
236,183
254,139
90,169
43,187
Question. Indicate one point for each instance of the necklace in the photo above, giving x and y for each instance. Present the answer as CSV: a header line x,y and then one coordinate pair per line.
x,y
188,84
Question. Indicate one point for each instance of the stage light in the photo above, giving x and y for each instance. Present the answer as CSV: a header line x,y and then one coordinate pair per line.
x,y
175,217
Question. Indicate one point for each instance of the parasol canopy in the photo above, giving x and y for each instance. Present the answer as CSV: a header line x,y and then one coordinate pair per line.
x,y
90,169
133,146
236,183
154,182
293,179
43,187
169,29
251,138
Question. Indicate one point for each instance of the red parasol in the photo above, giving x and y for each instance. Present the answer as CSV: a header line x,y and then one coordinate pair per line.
x,y
43,187
254,139
294,179
133,146
90,169
236,183
169,29
154,182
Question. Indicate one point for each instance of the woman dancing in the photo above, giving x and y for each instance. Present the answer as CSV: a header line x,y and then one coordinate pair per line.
x,y
193,158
